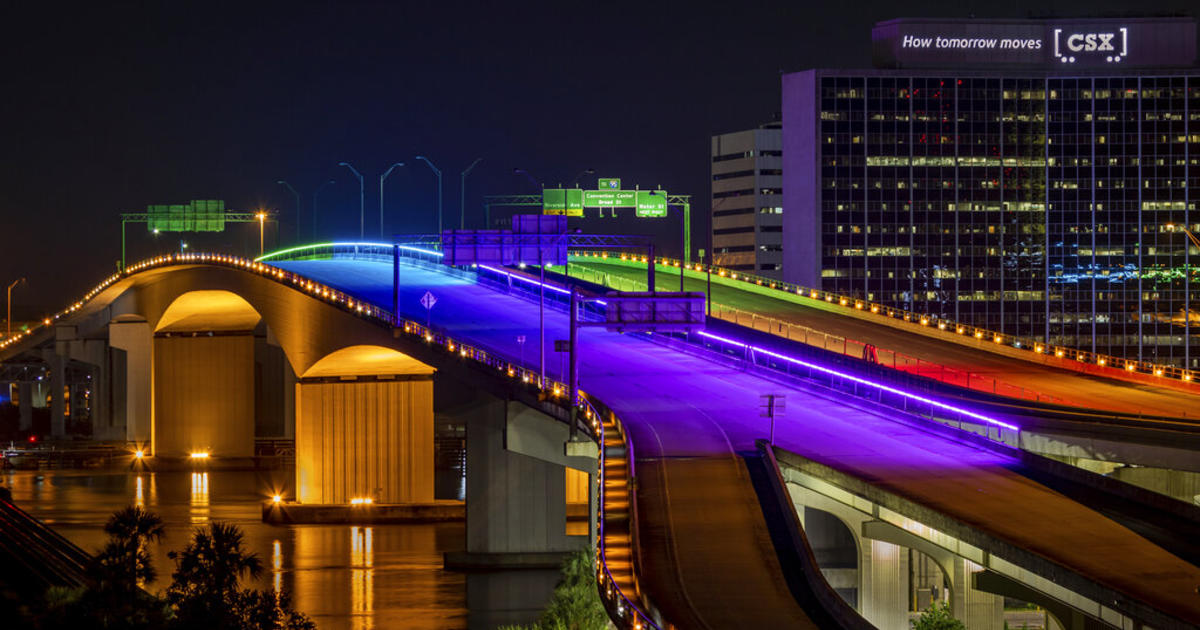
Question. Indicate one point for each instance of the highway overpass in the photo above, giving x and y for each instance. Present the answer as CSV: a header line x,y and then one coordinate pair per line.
x,y
703,556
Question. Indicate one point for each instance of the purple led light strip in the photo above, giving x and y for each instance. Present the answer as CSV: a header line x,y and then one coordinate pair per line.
x,y
863,381
533,282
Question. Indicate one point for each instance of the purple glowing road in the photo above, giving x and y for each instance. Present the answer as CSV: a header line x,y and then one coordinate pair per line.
x,y
681,406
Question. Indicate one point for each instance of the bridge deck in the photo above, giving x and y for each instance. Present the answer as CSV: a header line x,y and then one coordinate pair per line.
x,y
1096,392
712,558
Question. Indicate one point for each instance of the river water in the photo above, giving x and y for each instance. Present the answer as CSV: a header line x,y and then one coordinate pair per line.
x,y
342,576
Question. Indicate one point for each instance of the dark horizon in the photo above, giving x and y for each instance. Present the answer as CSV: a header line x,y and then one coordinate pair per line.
x,y
112,109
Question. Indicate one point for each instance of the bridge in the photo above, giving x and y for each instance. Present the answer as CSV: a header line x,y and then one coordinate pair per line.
x,y
699,524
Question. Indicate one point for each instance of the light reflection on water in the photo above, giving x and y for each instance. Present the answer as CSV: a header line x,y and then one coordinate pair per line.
x,y
344,577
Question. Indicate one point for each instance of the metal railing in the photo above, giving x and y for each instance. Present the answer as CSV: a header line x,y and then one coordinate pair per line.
x,y
842,345
1081,358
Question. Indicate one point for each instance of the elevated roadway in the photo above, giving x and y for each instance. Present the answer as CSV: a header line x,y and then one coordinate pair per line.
x,y
1065,386
708,558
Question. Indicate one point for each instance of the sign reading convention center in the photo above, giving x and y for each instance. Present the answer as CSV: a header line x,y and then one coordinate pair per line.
x,y
1052,45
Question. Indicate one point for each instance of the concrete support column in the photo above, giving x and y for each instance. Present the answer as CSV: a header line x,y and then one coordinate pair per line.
x,y
130,382
885,585
516,503
976,609
25,393
364,438
204,395
58,384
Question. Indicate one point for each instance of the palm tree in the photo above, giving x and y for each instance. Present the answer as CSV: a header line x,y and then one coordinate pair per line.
x,y
215,561
125,562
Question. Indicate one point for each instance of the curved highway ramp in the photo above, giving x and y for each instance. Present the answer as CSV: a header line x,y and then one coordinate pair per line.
x,y
708,560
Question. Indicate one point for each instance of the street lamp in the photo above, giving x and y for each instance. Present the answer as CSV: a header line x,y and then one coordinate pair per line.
x,y
8,332
262,218
462,196
586,171
521,171
381,178
439,190
297,195
362,197
314,206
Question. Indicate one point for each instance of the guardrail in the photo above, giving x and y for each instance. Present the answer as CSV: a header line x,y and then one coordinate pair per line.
x,y
1130,366
843,345
629,616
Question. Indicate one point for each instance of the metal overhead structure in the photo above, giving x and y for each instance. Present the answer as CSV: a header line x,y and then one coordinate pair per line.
x,y
144,217
682,202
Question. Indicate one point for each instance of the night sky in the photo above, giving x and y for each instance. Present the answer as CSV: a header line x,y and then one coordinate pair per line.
x,y
108,109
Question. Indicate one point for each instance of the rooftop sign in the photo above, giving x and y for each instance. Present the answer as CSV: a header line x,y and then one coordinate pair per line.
x,y
1053,45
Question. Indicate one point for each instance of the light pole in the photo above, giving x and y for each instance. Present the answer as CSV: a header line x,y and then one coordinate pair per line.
x,y
262,219
314,206
362,197
297,195
381,178
462,196
8,332
439,190
586,171
521,171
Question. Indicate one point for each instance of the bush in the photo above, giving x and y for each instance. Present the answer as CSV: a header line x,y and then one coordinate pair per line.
x,y
937,617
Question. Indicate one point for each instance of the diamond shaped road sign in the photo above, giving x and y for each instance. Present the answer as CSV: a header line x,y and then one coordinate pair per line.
x,y
428,300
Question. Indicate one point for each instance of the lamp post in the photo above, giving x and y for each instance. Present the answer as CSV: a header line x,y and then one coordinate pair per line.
x,y
8,331
439,188
262,219
314,206
462,196
521,171
381,178
362,197
586,171
297,195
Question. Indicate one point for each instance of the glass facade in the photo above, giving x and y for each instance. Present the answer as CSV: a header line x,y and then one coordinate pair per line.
x,y
1045,207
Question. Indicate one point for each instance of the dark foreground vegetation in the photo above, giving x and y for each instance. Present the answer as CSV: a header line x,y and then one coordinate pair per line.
x,y
205,590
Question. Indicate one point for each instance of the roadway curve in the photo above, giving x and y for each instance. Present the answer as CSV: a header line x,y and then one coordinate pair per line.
x,y
709,562
1099,393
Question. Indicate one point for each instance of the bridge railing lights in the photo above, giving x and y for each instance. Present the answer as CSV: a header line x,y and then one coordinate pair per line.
x,y
1077,359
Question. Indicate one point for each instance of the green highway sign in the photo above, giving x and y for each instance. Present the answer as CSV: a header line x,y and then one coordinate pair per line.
x,y
568,201
572,201
651,205
609,183
609,199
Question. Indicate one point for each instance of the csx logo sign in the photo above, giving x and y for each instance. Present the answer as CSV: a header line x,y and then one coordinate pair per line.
x,y
1113,45
1090,41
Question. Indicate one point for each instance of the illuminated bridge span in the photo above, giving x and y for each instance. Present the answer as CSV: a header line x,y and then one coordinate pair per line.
x,y
957,354
714,543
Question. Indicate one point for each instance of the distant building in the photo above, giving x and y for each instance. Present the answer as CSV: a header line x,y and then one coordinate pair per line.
x,y
1033,177
747,200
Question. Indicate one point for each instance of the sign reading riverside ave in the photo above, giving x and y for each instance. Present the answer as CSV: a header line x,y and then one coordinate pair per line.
x,y
1107,44
571,202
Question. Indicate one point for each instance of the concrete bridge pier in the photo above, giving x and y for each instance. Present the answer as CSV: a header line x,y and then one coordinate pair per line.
x,y
130,359
364,429
58,385
25,405
520,482
364,437
204,394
